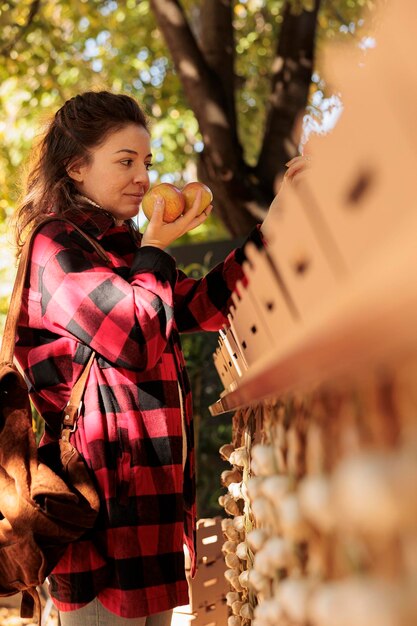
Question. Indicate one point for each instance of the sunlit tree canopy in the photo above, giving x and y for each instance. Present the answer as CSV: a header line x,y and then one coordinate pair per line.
x,y
52,49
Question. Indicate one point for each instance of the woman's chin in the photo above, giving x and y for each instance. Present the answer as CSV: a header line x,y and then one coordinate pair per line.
x,y
127,214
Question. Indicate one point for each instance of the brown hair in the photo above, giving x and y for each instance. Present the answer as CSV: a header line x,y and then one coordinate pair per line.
x,y
82,123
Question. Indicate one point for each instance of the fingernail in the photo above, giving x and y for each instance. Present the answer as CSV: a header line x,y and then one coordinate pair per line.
x,y
159,200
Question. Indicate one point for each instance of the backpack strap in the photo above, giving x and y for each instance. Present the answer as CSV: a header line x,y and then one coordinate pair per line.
x,y
30,598
73,408
9,334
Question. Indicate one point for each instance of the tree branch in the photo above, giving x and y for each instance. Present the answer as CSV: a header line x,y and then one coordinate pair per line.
x,y
200,84
218,47
34,8
292,70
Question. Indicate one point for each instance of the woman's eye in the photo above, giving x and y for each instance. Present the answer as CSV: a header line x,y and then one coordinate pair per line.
x,y
148,166
127,162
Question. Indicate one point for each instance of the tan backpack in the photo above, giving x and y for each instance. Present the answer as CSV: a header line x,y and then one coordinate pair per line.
x,y
47,496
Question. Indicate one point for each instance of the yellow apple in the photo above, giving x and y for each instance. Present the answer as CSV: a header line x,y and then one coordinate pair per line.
x,y
174,201
190,191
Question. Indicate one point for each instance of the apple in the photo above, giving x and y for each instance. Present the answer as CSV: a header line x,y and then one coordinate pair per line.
x,y
190,191
174,201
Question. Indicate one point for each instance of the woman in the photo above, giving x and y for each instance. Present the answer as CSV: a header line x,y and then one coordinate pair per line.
x,y
135,431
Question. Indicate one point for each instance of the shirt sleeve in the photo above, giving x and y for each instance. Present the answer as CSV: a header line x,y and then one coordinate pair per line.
x,y
127,322
203,304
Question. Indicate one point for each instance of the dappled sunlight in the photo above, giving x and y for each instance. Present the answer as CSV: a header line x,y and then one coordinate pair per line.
x,y
188,69
215,114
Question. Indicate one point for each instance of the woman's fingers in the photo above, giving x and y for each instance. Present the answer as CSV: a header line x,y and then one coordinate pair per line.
x,y
157,216
197,220
298,159
192,213
162,234
296,166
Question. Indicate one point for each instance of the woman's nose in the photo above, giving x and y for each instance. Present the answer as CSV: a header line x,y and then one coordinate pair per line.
x,y
141,175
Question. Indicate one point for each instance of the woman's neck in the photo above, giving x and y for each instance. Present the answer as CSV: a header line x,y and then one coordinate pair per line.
x,y
89,201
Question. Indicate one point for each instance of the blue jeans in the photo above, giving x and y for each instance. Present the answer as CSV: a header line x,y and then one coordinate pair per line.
x,y
95,614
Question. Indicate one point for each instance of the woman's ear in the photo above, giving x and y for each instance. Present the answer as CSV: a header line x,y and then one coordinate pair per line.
x,y
75,170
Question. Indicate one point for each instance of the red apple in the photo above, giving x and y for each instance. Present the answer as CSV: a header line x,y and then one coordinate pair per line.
x,y
190,191
174,201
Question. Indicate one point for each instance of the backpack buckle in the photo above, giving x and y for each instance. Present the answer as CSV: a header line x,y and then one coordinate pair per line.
x,y
71,413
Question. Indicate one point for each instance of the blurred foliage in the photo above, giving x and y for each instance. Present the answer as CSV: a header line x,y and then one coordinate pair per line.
x,y
53,49
210,432
68,47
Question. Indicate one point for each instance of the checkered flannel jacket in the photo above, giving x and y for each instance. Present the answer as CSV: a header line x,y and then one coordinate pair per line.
x,y
130,312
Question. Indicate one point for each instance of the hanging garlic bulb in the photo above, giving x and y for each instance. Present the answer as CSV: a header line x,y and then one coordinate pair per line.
x,y
230,505
274,554
292,522
246,611
293,593
269,612
242,551
263,565
375,493
229,546
256,538
235,490
360,602
234,620
239,523
275,488
231,573
232,577
263,460
239,457
232,534
244,578
232,596
254,485
234,581
226,450
231,476
226,523
232,560
236,606
263,512
258,581
315,504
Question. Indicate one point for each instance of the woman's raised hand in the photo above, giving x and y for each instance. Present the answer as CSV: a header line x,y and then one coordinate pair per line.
x,y
296,167
161,234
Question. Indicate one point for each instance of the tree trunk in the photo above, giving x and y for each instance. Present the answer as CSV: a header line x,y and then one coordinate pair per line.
x,y
291,78
241,193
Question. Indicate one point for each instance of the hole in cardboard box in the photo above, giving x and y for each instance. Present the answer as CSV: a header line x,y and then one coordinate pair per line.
x,y
211,539
301,265
360,187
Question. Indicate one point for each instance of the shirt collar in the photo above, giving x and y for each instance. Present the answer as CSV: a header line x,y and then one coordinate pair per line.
x,y
94,220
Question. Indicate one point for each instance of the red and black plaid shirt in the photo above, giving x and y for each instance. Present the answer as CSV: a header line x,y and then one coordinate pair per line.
x,y
130,430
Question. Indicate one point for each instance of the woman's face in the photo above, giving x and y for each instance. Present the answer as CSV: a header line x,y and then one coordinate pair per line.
x,y
117,177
